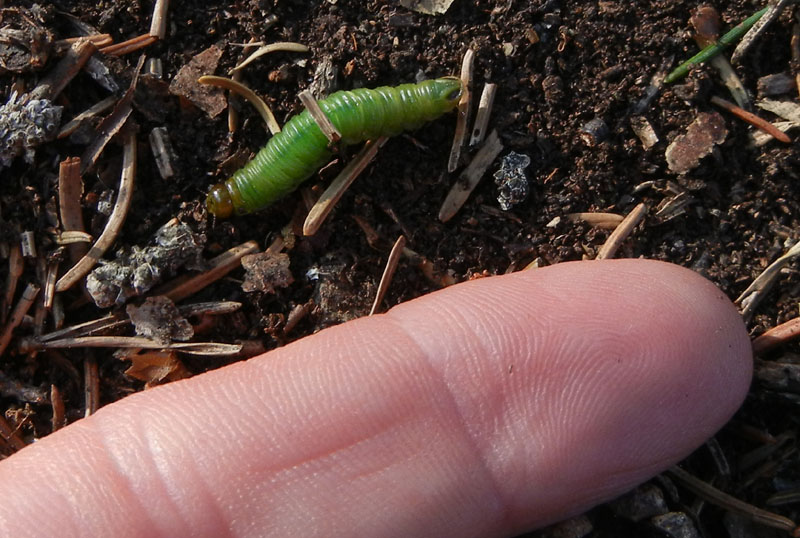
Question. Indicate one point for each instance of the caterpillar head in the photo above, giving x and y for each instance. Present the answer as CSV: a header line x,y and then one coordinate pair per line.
x,y
219,202
449,90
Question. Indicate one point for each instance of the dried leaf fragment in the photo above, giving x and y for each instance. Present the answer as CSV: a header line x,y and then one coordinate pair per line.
x,y
155,367
209,99
266,271
685,152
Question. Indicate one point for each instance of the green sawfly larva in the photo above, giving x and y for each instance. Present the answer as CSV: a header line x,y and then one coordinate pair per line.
x,y
300,149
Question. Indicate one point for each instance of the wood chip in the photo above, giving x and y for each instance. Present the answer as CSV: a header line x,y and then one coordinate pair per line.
x,y
27,242
467,69
265,271
162,152
644,130
70,190
428,7
484,111
686,151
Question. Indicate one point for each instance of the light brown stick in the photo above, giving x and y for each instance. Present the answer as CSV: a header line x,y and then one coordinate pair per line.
x,y
115,221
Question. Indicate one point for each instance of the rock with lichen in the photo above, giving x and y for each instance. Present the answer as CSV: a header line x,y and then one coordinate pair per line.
x,y
24,124
136,270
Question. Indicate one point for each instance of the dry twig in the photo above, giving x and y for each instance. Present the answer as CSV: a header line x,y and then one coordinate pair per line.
x,y
115,221
752,119
621,232
184,286
320,211
98,108
711,494
247,93
24,304
69,66
286,46
470,176
158,26
111,125
325,125
388,273
91,384
776,336
774,9
131,45
607,221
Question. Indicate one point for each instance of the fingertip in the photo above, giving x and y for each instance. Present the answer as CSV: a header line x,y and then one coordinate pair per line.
x,y
623,366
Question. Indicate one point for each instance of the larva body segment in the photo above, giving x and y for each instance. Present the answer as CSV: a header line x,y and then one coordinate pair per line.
x,y
301,148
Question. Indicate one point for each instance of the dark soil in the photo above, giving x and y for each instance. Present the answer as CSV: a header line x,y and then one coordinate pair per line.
x,y
557,65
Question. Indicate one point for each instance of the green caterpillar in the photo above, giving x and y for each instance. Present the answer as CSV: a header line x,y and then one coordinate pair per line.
x,y
295,153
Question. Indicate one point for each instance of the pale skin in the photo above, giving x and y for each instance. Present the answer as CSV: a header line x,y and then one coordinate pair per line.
x,y
486,409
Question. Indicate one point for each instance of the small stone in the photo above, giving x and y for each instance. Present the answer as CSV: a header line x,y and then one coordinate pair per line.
x,y
594,131
138,269
511,180
159,319
24,124
576,527
643,502
777,84
266,271
675,525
